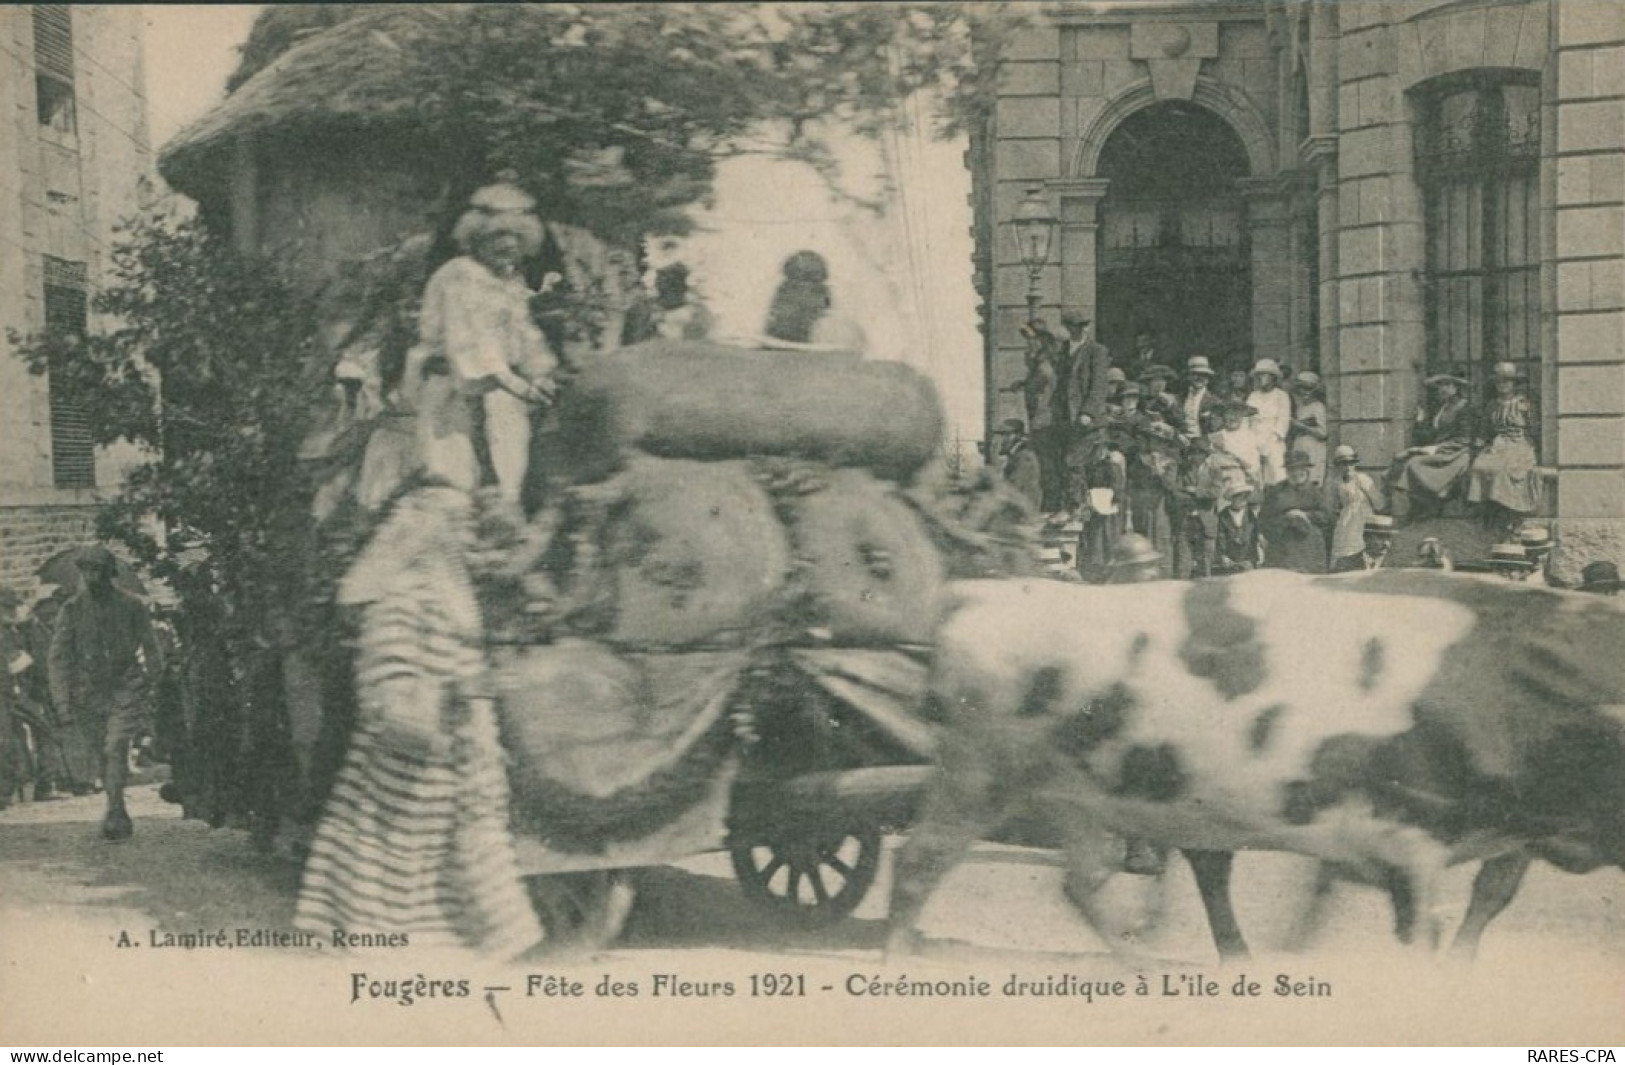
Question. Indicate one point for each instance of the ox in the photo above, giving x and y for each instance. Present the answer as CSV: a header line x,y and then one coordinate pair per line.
x,y
1388,724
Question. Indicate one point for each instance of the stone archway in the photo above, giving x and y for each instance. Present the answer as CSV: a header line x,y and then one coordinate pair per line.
x,y
1246,297
1234,108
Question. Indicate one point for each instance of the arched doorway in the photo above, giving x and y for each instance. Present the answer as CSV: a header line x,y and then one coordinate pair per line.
x,y
1173,252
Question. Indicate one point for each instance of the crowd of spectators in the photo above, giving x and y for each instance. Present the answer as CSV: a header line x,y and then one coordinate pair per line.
x,y
1233,477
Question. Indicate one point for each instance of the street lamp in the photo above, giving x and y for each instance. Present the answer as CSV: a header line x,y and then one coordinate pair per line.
x,y
1034,226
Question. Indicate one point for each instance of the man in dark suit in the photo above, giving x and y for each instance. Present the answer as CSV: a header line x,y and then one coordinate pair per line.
x,y
1086,385
1379,537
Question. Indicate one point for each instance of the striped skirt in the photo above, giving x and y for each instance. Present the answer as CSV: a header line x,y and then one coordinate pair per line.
x,y
421,847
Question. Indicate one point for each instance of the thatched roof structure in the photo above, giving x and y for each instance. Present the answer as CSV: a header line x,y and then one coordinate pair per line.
x,y
359,74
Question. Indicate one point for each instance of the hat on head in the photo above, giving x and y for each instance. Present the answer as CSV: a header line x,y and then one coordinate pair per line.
x,y
1379,525
1307,379
1507,369
1134,549
1535,538
1299,460
1599,577
1115,376
1444,378
1075,318
1131,388
1345,453
1267,366
1198,364
1238,491
1511,556
1013,425
1161,430
1158,370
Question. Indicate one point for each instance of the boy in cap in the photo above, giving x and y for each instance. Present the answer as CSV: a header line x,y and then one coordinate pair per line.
x,y
1352,499
1379,537
1236,547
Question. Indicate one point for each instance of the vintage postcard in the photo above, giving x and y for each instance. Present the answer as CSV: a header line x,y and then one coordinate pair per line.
x,y
1085,523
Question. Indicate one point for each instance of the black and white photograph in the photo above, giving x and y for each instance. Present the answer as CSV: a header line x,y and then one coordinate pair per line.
x,y
1083,523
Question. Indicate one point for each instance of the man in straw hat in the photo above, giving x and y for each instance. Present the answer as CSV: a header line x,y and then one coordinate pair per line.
x,y
1510,561
1293,520
1431,554
1199,405
1600,578
476,323
105,660
1135,560
1271,420
1503,476
1352,498
1537,544
1379,538
1433,470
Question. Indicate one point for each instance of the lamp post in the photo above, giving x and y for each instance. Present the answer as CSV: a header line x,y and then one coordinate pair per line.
x,y
1034,227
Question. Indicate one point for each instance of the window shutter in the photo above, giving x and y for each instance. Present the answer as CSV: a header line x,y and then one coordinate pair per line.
x,y
53,40
73,451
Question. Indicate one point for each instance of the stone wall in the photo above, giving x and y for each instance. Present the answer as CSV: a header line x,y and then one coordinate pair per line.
x,y
30,535
1587,179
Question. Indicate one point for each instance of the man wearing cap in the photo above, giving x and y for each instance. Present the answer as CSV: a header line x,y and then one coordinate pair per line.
x,y
1019,464
1600,578
1378,535
1199,404
1293,520
1194,489
1352,498
1090,360
104,660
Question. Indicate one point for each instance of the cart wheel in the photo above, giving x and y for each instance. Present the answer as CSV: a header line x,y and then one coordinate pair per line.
x,y
811,879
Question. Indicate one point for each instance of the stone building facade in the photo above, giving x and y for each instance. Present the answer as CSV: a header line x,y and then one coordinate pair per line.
x,y
1373,189
73,148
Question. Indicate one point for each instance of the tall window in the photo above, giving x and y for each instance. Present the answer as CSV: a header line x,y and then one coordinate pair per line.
x,y
1478,158
53,67
73,452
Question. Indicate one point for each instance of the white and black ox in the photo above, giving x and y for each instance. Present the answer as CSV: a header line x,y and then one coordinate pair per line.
x,y
1390,724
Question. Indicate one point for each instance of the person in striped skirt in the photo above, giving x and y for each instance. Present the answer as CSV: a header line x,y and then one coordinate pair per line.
x,y
414,839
